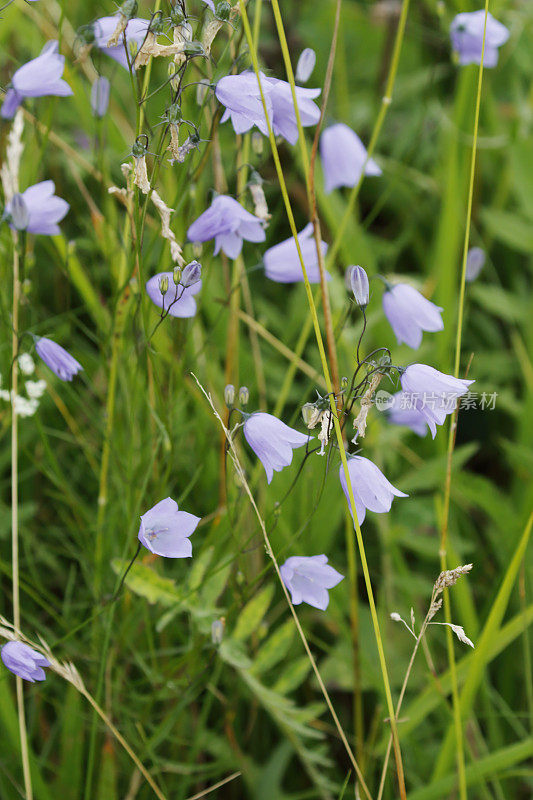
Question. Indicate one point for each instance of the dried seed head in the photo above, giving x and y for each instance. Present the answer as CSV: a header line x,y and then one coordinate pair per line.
x,y
450,577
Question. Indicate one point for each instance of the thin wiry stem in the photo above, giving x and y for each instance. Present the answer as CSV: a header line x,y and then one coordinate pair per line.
x,y
458,723
268,547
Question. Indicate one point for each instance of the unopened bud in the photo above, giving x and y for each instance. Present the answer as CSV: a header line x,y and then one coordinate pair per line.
x,y
217,630
257,143
360,288
19,214
191,273
173,114
306,65
244,395
475,261
344,382
139,148
193,49
163,285
201,91
100,96
176,275
222,10
229,395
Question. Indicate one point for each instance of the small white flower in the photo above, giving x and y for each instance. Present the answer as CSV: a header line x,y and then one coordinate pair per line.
x,y
35,389
26,364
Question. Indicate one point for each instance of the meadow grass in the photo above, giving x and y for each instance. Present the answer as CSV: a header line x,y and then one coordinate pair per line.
x,y
200,674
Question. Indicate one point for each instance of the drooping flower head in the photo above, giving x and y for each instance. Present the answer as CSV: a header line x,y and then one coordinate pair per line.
x,y
100,96
178,301
136,30
475,261
343,155
242,99
359,286
42,210
57,358
434,392
466,33
403,411
228,223
272,441
282,262
409,313
38,78
165,530
308,579
24,661
306,64
371,489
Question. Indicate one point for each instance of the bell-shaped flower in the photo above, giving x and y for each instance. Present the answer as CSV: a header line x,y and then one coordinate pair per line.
x,y
100,96
242,99
308,579
38,78
282,262
371,489
409,313
403,411
178,301
272,441
434,392
343,155
466,33
43,209
136,30
24,661
165,530
57,358
228,223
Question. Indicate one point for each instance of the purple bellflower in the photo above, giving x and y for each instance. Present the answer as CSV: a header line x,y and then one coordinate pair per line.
x,y
272,441
306,64
466,33
403,411
100,97
282,262
475,261
178,301
165,530
228,223
434,392
343,155
57,358
308,579
136,31
371,489
43,209
409,313
38,78
24,661
242,99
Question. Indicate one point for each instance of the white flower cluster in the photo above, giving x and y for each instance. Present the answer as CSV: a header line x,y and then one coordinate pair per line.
x,y
25,406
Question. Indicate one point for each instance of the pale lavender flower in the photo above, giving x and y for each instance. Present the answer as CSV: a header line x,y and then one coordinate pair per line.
x,y
371,489
57,358
343,155
228,223
466,32
403,410
282,262
272,441
165,530
178,301
136,30
359,286
24,661
38,78
308,579
100,96
409,313
241,96
44,210
306,64
475,261
435,392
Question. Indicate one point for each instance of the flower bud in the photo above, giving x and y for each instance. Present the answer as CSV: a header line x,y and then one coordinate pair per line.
x,y
139,148
173,114
176,275
257,143
222,10
244,395
306,64
20,217
86,34
193,49
344,382
475,261
217,630
163,285
360,288
100,96
229,395
191,273
201,91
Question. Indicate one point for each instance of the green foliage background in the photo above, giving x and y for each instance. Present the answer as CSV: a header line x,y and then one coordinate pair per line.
x,y
192,710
